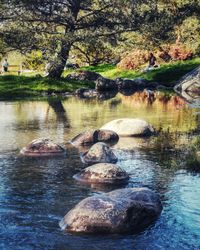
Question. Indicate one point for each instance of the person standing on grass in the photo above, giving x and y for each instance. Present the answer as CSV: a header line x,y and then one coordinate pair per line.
x,y
5,65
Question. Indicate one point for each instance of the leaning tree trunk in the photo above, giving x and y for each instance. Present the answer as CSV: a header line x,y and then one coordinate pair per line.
x,y
56,67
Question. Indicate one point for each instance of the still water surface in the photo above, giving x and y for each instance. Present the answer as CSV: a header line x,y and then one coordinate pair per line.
x,y
36,193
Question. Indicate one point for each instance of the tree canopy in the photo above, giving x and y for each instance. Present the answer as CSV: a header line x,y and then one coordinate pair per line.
x,y
55,26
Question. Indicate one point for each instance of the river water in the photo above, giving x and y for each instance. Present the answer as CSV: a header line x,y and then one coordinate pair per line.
x,y
36,193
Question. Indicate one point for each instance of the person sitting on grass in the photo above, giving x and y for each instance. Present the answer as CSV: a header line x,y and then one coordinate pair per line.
x,y
152,60
152,63
5,65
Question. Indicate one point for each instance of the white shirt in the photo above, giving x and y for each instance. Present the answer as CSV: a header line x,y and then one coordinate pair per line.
x,y
5,64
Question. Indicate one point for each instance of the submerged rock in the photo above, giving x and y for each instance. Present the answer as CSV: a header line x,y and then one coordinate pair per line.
x,y
99,153
42,147
93,136
103,84
102,173
119,211
130,127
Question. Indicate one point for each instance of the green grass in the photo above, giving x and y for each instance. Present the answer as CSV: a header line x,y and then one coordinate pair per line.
x,y
167,74
23,86
27,85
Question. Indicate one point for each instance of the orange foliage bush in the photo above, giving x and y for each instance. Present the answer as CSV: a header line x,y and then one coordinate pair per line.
x,y
180,52
134,59
137,57
176,52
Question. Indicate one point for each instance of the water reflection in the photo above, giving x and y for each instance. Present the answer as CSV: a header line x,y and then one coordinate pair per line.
x,y
127,92
106,95
21,122
60,111
36,193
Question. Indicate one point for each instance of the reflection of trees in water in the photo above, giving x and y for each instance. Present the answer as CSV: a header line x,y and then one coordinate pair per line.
x,y
106,95
114,103
60,112
150,97
163,106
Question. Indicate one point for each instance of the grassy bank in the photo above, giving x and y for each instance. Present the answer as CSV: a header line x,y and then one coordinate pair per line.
x,y
29,86
12,86
167,74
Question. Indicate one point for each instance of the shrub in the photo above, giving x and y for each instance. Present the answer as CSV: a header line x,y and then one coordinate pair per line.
x,y
34,61
139,57
134,59
175,52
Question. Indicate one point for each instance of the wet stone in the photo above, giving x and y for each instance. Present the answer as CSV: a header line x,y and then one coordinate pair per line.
x,y
102,173
99,153
119,211
93,136
43,147
130,127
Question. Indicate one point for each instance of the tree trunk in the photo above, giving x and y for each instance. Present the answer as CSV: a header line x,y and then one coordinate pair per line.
x,y
56,67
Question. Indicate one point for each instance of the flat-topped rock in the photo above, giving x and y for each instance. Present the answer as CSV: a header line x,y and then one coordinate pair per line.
x,y
119,211
130,127
43,147
102,173
93,136
99,153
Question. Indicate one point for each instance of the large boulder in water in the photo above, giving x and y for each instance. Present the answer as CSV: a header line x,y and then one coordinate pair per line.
x,y
99,153
84,75
102,173
43,147
130,127
120,211
103,84
190,82
93,136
